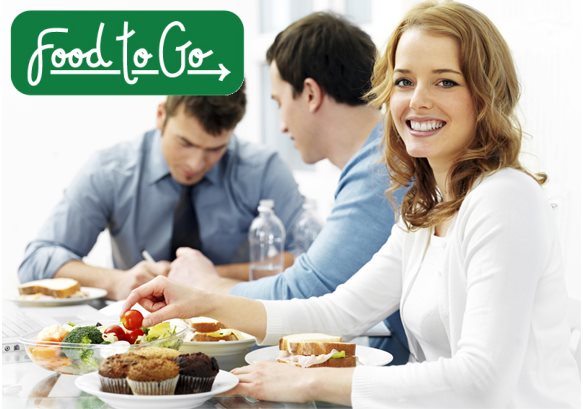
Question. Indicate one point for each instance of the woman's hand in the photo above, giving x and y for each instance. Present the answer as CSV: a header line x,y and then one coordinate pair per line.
x,y
273,381
165,299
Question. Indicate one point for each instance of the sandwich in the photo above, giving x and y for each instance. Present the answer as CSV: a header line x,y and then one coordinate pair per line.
x,y
316,350
210,330
53,287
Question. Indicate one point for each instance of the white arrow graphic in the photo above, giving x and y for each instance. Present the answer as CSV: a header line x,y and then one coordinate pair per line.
x,y
222,70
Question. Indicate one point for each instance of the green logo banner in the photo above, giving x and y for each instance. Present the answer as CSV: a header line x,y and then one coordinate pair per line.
x,y
127,52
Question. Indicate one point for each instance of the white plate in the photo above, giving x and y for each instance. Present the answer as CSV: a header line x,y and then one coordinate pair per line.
x,y
366,355
90,383
48,301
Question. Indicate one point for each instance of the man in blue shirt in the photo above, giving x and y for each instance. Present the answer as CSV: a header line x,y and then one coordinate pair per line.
x,y
320,69
132,189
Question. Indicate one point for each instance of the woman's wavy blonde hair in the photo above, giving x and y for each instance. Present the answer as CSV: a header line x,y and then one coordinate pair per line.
x,y
489,71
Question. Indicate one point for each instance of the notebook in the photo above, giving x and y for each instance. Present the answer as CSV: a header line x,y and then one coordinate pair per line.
x,y
15,324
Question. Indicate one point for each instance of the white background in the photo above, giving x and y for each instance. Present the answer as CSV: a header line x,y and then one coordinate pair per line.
x,y
44,140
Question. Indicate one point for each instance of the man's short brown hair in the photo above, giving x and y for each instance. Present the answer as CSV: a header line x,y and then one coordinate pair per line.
x,y
215,113
323,46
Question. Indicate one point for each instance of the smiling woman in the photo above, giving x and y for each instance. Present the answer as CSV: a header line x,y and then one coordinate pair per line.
x,y
451,112
474,264
431,103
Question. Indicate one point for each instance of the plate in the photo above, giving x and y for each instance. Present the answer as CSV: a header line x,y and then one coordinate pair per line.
x,y
48,301
366,355
90,383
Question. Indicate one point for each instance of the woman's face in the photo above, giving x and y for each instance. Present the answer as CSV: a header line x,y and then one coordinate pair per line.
x,y
431,104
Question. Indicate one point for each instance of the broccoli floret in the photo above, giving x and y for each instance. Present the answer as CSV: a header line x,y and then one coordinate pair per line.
x,y
83,357
84,335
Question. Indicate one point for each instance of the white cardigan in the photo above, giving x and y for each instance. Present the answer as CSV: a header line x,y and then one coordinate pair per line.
x,y
502,300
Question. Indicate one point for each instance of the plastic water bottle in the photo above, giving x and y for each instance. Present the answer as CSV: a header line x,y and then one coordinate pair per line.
x,y
306,229
266,242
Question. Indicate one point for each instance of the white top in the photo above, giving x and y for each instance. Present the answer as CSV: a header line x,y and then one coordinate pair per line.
x,y
502,301
420,314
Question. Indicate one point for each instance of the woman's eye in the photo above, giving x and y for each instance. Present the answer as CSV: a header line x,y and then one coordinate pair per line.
x,y
447,83
403,82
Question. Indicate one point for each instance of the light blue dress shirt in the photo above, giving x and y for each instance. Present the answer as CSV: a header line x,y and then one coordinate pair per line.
x,y
128,190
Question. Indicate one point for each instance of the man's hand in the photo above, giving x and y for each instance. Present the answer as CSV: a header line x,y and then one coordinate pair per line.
x,y
118,283
139,274
192,268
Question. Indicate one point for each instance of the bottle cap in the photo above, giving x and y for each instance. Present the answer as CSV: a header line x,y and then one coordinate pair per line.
x,y
267,202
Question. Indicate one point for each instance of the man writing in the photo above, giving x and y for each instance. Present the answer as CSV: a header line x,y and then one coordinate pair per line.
x,y
189,182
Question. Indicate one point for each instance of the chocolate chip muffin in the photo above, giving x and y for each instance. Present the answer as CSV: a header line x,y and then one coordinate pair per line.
x,y
197,373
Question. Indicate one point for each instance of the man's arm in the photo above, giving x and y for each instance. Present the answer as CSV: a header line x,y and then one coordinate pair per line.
x,y
73,226
358,225
117,283
240,271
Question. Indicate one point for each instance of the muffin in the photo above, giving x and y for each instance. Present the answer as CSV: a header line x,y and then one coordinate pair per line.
x,y
197,373
157,352
153,376
113,371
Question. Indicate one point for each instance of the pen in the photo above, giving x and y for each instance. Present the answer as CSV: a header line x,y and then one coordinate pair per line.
x,y
147,256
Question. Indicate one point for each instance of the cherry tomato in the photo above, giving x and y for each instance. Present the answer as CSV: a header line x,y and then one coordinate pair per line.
x,y
117,330
132,319
132,335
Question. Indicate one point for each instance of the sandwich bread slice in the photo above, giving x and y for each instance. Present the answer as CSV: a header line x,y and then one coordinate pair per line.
x,y
316,350
210,330
54,287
